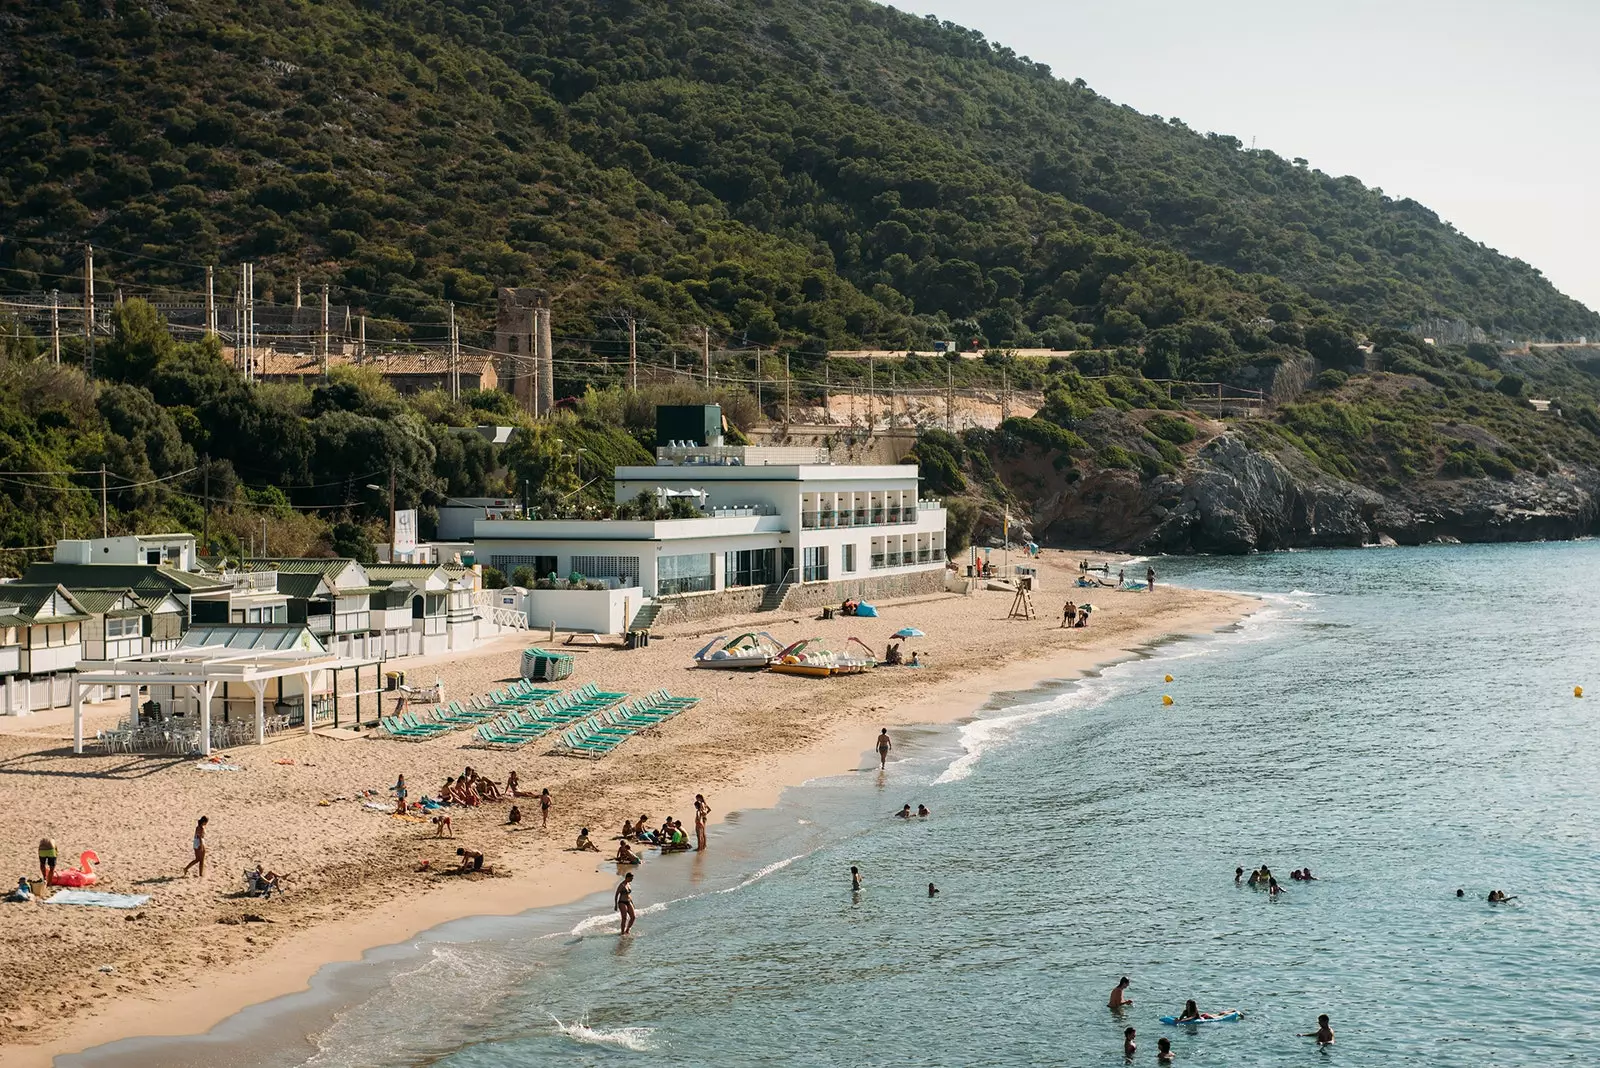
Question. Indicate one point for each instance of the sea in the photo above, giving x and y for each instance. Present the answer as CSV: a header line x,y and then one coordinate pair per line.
x,y
1401,721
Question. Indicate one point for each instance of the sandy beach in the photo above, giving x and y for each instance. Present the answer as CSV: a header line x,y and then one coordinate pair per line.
x,y
83,976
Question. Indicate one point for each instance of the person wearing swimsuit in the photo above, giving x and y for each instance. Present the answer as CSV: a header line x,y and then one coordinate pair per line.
x,y
544,807
199,847
624,902
884,745
47,860
702,811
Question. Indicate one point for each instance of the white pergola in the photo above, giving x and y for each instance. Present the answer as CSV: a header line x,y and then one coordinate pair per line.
x,y
202,669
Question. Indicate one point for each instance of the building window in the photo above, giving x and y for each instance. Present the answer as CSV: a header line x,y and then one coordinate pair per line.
x,y
623,569
815,560
543,566
126,627
849,562
750,567
684,574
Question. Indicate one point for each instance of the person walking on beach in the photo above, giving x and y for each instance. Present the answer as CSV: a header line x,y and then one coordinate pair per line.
x,y
545,800
624,902
702,812
1323,1034
199,847
1069,612
400,796
1150,577
884,745
1119,994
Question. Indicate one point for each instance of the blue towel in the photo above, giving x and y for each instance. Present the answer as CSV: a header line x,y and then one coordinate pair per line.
x,y
97,898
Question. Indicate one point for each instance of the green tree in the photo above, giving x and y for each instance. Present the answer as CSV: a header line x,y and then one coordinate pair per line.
x,y
140,343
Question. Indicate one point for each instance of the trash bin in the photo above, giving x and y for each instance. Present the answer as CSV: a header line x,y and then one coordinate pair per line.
x,y
970,571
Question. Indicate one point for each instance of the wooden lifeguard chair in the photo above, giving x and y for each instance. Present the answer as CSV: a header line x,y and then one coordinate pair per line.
x,y
1022,603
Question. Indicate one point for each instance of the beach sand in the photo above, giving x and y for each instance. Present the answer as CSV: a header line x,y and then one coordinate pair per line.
x,y
188,958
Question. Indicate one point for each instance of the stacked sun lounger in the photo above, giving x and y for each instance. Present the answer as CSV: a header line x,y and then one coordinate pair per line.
x,y
418,726
602,732
540,718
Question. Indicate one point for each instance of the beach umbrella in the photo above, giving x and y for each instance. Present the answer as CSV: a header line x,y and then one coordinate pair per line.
x,y
909,632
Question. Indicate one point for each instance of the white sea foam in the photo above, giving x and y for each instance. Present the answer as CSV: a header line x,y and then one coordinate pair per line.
x,y
606,922
982,735
777,865
634,1038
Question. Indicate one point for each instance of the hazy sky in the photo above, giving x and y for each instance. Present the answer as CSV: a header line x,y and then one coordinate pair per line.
x,y
1488,113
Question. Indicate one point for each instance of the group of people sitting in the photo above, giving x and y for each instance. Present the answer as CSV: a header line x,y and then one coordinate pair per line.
x,y
848,606
670,836
892,657
1076,615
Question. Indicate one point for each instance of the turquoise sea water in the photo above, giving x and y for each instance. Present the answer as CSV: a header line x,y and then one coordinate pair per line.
x,y
1402,721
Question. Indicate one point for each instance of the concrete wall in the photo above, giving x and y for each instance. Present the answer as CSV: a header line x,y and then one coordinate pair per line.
x,y
588,611
802,597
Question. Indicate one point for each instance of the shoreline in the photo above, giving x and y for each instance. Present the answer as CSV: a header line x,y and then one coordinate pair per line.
x,y
755,780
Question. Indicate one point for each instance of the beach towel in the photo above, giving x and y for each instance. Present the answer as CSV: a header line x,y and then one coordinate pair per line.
x,y
206,765
98,898
377,807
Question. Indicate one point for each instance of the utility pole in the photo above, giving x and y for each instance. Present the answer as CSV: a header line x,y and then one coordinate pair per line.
x,y
787,380
296,292
55,325
105,518
1005,396
633,354
391,513
950,398
891,397
211,300
325,344
455,357
205,497
263,534
827,389
249,319
88,310
705,353
361,340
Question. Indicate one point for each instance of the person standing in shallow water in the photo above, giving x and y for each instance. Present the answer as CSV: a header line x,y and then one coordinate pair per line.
x,y
623,902
1150,577
1129,1047
884,745
1323,1034
1119,994
855,879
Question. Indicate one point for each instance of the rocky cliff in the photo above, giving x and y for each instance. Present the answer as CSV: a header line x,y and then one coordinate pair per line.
x,y
1235,498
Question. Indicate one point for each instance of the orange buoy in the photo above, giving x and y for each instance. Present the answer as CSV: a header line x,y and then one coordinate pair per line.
x,y
1577,691
1169,678
1166,699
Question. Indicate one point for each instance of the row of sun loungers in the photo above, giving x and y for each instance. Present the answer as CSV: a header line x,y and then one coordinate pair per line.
x,y
587,730
523,726
604,731
418,726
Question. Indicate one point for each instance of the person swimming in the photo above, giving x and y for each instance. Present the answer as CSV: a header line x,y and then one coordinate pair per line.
x,y
1323,1034
933,891
1238,875
922,811
904,813
1164,1051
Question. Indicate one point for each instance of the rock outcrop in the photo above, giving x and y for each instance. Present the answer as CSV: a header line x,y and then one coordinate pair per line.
x,y
1233,498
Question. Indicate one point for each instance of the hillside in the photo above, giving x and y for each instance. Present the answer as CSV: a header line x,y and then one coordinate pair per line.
x,y
786,171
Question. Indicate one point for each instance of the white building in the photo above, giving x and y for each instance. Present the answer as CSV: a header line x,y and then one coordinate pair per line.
x,y
762,518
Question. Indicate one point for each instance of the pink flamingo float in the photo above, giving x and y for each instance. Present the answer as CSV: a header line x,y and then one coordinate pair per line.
x,y
82,875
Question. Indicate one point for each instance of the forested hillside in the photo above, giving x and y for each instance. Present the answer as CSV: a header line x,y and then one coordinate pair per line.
x,y
802,172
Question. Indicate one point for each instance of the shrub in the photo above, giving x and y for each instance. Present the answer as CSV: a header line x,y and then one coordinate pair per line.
x,y
1045,435
1171,428
494,579
1332,378
522,576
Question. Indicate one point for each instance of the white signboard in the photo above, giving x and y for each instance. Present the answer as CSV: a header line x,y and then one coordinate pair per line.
x,y
405,531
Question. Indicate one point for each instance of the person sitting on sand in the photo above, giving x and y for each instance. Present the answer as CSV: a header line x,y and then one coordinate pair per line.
x,y
268,882
585,843
1119,994
679,839
642,831
471,860
512,784
891,655
922,811
1164,1051
23,892
626,855
515,815
441,827
627,830
487,790
904,813
916,660
1323,1034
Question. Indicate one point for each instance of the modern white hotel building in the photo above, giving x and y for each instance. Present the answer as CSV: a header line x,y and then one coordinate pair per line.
x,y
772,518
